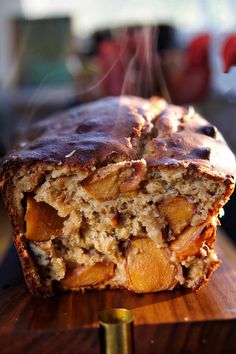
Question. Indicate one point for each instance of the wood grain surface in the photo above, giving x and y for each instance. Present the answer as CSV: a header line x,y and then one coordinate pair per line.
x,y
177,322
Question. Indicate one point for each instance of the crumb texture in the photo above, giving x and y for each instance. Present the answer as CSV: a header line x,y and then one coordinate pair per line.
x,y
169,218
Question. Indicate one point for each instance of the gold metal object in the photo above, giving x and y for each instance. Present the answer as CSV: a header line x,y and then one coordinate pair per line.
x,y
116,331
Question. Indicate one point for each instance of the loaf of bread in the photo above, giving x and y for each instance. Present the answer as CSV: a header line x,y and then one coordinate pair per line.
x,y
120,193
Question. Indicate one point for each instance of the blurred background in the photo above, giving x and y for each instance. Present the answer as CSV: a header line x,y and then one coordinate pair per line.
x,y
57,54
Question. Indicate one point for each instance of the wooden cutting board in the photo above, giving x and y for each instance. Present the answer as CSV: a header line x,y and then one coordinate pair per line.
x,y
177,322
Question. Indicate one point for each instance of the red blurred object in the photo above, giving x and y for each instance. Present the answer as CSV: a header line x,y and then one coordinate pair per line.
x,y
127,63
229,52
197,54
194,79
109,58
114,57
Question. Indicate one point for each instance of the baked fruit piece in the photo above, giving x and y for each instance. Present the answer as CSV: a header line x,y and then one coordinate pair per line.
x,y
120,193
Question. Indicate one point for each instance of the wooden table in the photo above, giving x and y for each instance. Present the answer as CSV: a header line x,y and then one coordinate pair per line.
x,y
177,322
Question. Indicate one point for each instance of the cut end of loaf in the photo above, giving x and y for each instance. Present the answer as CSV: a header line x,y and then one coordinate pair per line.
x,y
123,226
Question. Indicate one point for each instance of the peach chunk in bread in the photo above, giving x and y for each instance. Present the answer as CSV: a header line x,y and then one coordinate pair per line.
x,y
42,220
108,182
178,212
82,276
191,240
149,268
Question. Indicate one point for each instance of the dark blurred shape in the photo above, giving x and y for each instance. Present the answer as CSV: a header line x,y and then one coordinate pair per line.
x,y
228,52
10,270
7,124
228,221
99,37
166,38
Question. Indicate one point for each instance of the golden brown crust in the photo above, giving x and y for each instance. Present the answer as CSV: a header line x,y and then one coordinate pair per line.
x,y
125,128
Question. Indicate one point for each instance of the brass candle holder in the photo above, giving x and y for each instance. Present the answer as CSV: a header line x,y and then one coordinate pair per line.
x,y
116,331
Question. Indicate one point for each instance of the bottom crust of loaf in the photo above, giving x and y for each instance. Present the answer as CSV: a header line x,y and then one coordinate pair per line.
x,y
141,278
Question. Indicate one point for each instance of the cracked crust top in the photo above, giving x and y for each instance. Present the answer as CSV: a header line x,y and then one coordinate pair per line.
x,y
124,128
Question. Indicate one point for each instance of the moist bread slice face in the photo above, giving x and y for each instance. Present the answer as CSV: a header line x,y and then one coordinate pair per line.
x,y
120,193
